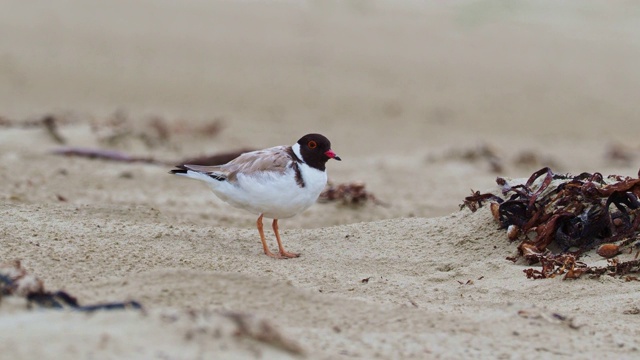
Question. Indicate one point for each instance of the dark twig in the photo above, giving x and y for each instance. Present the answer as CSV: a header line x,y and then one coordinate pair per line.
x,y
15,281
117,156
51,124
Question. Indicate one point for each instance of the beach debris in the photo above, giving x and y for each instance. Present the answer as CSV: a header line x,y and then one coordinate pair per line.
x,y
15,281
634,310
554,318
567,265
622,153
476,200
494,159
608,250
366,280
572,214
153,131
532,159
353,194
482,152
261,330
119,156
119,129
104,154
513,231
51,124
46,120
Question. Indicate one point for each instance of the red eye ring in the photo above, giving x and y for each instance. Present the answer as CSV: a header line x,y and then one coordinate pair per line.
x,y
312,144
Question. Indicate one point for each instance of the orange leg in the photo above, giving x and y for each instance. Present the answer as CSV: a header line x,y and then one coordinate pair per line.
x,y
264,242
283,252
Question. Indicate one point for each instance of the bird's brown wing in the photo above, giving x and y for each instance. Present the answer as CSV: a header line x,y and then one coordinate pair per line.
x,y
275,159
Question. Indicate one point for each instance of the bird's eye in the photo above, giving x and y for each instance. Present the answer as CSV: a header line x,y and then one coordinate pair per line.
x,y
312,144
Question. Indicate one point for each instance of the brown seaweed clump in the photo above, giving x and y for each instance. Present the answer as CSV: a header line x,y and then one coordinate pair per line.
x,y
576,213
353,194
15,281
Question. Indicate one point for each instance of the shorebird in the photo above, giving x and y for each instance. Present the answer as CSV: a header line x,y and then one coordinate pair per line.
x,y
277,183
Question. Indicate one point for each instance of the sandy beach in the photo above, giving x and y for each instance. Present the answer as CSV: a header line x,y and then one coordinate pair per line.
x,y
423,102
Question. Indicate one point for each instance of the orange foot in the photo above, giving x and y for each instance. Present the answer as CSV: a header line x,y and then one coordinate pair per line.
x,y
282,255
287,254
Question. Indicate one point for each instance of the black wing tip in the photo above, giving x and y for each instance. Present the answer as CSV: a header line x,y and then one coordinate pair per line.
x,y
217,177
181,169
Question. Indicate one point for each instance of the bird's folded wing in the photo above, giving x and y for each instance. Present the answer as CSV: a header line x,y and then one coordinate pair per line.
x,y
274,159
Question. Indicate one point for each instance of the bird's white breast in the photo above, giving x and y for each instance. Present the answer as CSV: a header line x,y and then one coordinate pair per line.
x,y
276,195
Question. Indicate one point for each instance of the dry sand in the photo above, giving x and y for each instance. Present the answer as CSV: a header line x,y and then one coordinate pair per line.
x,y
402,91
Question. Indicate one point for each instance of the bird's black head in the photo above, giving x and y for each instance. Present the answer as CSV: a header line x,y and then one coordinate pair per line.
x,y
316,150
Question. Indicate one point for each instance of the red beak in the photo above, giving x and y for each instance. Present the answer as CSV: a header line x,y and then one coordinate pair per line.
x,y
332,155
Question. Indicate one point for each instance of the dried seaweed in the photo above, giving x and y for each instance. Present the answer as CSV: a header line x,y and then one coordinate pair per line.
x,y
492,158
262,331
37,122
118,156
554,318
51,124
575,213
119,128
15,281
353,194
153,131
567,265
104,154
622,153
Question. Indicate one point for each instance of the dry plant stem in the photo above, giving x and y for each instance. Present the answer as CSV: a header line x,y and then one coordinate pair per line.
x,y
117,156
51,124
104,154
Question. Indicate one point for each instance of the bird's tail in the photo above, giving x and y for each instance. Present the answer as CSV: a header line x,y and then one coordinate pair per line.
x,y
181,170
186,171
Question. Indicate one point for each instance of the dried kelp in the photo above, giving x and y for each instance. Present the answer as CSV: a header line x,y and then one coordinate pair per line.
x,y
119,129
15,281
40,122
263,331
348,194
494,159
567,265
104,154
554,318
118,156
153,131
49,122
622,153
575,213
